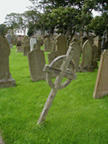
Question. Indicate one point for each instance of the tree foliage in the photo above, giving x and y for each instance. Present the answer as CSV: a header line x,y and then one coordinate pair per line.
x,y
3,29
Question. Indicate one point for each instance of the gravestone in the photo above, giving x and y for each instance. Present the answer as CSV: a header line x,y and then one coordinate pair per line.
x,y
63,71
86,64
26,45
19,46
76,53
9,39
94,56
61,44
32,43
101,86
47,45
52,56
37,45
36,60
97,42
5,76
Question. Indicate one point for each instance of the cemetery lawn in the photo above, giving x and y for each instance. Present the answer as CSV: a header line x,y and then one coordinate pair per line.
x,y
74,118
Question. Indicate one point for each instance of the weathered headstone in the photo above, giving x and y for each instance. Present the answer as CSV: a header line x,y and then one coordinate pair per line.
x,y
36,60
86,64
26,45
47,45
94,56
101,87
5,76
76,54
9,39
52,56
32,43
19,46
37,45
61,44
97,42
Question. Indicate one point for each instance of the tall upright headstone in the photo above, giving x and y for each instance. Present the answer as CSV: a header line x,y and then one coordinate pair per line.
x,y
86,64
19,46
5,76
36,60
26,45
47,45
94,56
32,43
101,86
97,42
76,54
61,44
37,45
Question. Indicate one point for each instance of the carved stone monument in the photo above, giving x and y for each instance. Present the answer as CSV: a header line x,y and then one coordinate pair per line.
x,y
36,61
32,43
101,87
37,45
76,54
5,76
86,64
19,46
63,71
26,45
48,45
61,44
94,56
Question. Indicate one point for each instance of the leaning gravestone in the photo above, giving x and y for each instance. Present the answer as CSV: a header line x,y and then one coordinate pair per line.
x,y
76,54
36,60
5,76
86,64
32,43
26,45
63,71
101,87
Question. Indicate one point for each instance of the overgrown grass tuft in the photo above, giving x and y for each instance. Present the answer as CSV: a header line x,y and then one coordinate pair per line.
x,y
74,118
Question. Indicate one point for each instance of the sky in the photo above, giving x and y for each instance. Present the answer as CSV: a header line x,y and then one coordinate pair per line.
x,y
16,6
10,6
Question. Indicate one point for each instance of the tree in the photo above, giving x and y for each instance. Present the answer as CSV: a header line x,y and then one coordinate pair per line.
x,y
3,29
98,25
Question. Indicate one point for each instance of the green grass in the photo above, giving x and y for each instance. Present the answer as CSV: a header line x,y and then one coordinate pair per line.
x,y
74,118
